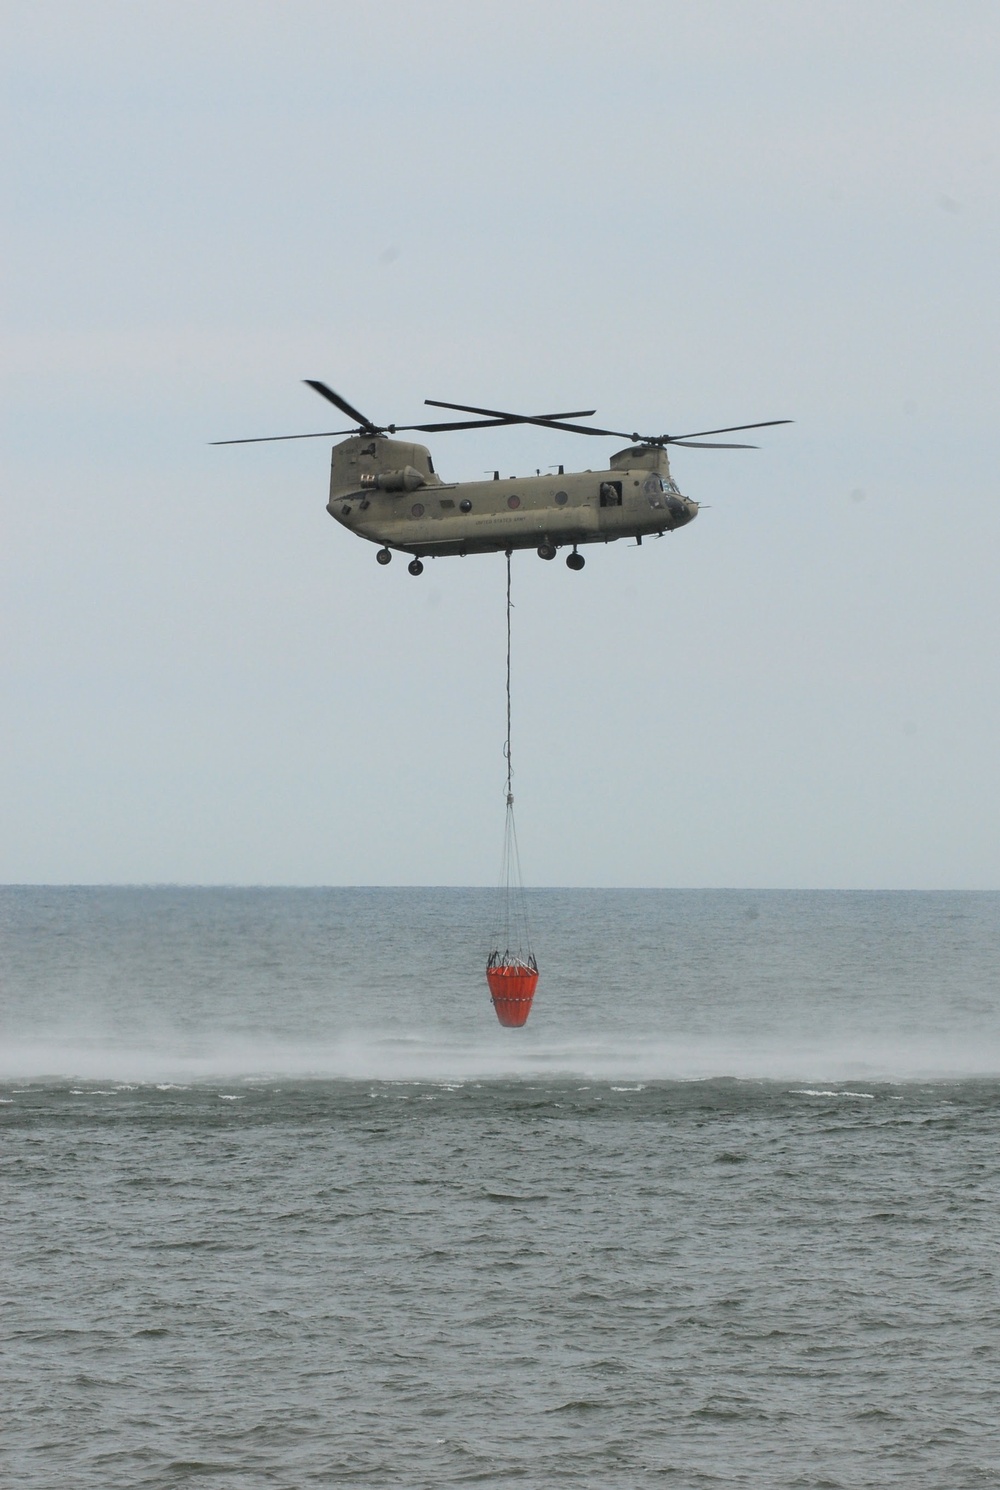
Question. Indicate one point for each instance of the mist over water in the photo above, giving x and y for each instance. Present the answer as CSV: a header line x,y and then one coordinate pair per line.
x,y
184,984
285,1207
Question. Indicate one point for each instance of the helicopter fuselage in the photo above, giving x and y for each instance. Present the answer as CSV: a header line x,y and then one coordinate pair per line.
x,y
387,491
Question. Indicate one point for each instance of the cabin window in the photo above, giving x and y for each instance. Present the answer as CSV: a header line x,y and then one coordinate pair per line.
x,y
417,510
465,505
611,494
513,502
562,498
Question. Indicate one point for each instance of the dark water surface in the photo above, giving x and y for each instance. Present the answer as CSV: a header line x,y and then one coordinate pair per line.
x,y
283,1206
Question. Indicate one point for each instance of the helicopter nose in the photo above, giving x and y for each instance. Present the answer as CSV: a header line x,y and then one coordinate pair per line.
x,y
682,510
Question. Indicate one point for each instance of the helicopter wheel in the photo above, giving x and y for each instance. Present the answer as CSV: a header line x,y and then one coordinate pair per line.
x,y
546,551
384,556
575,560
415,566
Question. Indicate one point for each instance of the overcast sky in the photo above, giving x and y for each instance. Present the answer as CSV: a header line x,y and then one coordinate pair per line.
x,y
685,215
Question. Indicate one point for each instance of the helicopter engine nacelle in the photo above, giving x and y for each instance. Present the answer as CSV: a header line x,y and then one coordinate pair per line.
x,y
408,479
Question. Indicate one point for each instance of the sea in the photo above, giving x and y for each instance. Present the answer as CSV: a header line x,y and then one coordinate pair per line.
x,y
283,1205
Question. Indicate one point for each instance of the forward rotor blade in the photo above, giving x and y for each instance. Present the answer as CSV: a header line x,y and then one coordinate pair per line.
x,y
436,403
436,429
547,421
340,403
501,416
731,429
569,414
323,434
393,429
710,445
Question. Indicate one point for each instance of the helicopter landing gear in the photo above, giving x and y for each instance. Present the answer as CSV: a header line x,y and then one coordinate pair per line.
x,y
384,556
546,551
575,560
415,566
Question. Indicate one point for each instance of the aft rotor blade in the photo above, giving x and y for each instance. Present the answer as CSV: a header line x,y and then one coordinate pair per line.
x,y
620,434
549,420
730,429
323,434
637,439
341,403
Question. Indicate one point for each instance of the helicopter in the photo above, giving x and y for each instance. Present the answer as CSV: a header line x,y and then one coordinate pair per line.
x,y
387,490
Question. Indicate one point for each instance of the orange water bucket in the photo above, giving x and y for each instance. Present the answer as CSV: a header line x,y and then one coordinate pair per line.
x,y
512,989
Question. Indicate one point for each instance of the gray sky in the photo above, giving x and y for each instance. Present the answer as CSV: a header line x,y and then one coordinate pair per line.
x,y
683,214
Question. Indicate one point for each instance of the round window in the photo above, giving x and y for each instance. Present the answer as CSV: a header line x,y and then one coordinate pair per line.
x,y
513,502
465,505
417,510
562,498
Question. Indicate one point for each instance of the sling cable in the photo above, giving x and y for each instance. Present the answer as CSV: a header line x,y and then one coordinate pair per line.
x,y
511,970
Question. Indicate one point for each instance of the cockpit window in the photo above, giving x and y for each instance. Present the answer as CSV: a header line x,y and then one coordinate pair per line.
x,y
652,490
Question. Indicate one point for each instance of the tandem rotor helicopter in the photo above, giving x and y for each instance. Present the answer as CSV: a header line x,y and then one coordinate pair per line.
x,y
387,490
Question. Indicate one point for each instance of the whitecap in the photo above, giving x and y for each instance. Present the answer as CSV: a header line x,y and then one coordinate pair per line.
x,y
808,1091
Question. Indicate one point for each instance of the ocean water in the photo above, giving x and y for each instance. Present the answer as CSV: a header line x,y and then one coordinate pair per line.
x,y
283,1206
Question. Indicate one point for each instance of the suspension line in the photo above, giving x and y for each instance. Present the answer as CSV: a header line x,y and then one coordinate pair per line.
x,y
510,768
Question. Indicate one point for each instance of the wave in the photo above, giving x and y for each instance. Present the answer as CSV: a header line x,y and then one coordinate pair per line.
x,y
384,1056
